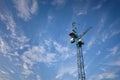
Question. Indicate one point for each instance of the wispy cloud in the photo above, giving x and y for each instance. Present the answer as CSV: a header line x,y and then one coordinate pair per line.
x,y
18,40
115,33
115,50
97,35
101,23
105,37
109,34
89,62
37,54
115,63
38,77
5,71
4,75
10,26
4,48
80,11
7,19
50,18
112,31
26,8
97,7
26,70
90,43
12,41
66,70
82,8
44,54
59,3
64,51
106,75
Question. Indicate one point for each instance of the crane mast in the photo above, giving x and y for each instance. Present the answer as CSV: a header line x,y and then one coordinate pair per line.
x,y
80,63
79,42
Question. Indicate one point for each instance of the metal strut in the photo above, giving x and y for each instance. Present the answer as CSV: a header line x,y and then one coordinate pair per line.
x,y
80,63
77,38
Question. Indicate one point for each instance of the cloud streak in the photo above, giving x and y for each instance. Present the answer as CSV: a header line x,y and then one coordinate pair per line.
x,y
34,55
4,48
59,3
64,51
66,70
18,40
106,75
12,41
26,8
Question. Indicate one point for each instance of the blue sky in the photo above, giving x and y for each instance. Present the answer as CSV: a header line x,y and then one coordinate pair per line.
x,y
34,40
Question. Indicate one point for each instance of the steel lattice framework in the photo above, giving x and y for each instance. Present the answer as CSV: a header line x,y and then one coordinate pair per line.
x,y
79,42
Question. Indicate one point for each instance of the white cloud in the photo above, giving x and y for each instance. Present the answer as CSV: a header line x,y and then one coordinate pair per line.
x,y
60,48
59,3
43,54
115,23
109,34
48,42
37,54
115,33
99,30
64,51
4,48
12,40
104,37
98,53
9,21
50,18
90,43
111,31
82,12
26,70
110,75
92,59
4,75
11,25
66,70
11,71
115,63
101,23
26,8
3,72
81,8
34,7
97,6
114,50
38,77
107,75
18,41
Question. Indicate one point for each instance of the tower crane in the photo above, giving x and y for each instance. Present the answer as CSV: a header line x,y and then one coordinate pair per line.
x,y
79,42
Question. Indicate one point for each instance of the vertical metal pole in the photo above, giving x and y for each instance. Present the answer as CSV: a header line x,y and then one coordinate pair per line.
x,y
80,63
